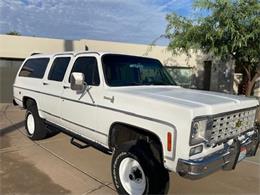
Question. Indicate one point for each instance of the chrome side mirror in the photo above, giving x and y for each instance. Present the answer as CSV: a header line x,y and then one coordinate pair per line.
x,y
77,81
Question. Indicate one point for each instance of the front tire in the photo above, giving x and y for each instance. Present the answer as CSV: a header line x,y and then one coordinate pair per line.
x,y
34,125
136,171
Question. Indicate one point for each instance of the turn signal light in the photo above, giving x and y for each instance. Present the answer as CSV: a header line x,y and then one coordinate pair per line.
x,y
169,141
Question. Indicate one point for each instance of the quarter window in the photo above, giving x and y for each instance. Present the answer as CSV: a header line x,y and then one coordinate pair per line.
x,y
34,67
87,66
59,68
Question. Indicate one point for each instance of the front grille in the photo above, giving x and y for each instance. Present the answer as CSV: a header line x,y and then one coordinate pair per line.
x,y
232,124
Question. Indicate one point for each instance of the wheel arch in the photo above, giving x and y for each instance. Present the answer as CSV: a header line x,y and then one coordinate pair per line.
x,y
25,99
130,132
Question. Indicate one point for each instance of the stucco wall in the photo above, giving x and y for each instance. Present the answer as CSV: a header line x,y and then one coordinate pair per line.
x,y
22,47
13,48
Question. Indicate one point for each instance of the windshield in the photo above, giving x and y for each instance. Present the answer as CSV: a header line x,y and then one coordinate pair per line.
x,y
123,70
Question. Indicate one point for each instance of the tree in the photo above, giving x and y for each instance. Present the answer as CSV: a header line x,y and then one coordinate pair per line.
x,y
13,33
224,28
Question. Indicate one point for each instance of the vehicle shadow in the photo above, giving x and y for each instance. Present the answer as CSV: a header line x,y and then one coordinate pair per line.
x,y
11,128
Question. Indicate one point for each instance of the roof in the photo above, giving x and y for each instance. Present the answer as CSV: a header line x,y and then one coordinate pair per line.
x,y
73,53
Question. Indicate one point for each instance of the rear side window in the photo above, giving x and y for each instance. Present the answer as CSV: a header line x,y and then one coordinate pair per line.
x,y
34,68
59,68
88,66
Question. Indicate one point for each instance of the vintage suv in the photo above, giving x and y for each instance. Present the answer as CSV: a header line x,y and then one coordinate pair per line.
x,y
129,106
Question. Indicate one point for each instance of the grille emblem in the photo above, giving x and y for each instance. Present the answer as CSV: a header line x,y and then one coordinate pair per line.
x,y
239,123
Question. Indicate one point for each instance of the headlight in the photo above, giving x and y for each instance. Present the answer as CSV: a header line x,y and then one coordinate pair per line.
x,y
199,131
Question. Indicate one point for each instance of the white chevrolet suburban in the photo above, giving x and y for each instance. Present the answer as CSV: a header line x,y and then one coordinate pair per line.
x,y
130,107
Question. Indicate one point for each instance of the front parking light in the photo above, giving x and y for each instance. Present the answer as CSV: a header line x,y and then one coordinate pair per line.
x,y
196,150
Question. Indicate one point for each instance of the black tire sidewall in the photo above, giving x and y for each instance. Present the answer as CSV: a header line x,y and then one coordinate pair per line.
x,y
115,171
153,170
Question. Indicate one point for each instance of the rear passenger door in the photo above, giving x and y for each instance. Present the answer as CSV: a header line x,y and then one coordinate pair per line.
x,y
78,109
53,86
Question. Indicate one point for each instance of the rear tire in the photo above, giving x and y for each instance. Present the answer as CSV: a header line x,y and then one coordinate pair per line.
x,y
136,171
34,125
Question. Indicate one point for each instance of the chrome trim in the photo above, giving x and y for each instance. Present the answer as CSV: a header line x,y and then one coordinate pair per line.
x,y
208,126
234,111
196,169
225,159
224,113
210,123
224,126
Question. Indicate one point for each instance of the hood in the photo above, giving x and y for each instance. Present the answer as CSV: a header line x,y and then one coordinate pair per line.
x,y
214,102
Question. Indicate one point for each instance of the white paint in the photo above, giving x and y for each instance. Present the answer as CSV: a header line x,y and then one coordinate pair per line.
x,y
30,123
132,185
173,105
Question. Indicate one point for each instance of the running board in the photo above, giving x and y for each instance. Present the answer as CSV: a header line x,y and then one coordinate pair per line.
x,y
78,143
81,139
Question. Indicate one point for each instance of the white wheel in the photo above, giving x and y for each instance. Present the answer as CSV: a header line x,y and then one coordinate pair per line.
x,y
132,176
30,123
135,171
34,124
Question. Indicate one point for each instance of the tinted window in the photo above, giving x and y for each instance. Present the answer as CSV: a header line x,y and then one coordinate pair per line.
x,y
59,68
34,68
88,66
123,70
181,75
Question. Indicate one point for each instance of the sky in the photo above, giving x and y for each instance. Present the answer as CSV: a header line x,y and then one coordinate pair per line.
x,y
132,21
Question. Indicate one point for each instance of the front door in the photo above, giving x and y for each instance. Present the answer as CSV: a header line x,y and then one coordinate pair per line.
x,y
78,109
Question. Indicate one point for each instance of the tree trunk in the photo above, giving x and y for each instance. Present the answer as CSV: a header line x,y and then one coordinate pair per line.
x,y
250,84
249,88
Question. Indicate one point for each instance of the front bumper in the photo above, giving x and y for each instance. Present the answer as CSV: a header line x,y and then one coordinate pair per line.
x,y
226,159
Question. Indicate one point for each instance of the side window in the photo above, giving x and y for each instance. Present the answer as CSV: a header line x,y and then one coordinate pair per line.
x,y
58,68
88,66
34,68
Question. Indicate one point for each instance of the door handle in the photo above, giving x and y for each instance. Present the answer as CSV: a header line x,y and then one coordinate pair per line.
x,y
111,99
44,83
66,87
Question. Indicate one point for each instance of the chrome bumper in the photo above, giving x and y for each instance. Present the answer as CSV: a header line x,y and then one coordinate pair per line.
x,y
225,159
